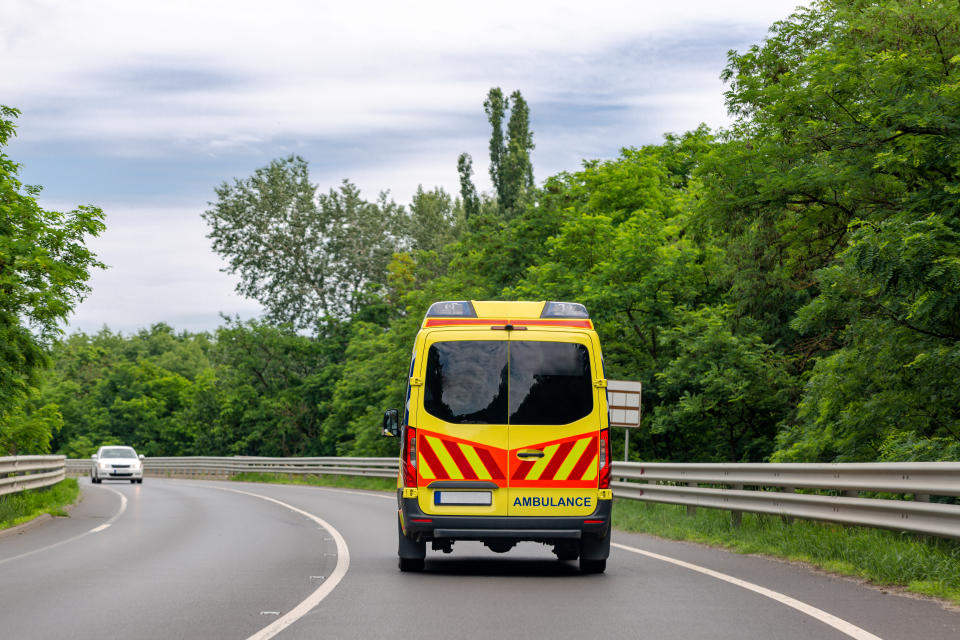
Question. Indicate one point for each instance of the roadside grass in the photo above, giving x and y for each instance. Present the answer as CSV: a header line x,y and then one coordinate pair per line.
x,y
18,508
341,482
921,564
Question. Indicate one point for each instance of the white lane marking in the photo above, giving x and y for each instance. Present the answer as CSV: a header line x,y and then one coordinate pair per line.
x,y
819,614
343,563
123,507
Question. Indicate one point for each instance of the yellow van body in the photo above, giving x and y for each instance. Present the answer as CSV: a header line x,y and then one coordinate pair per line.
x,y
504,436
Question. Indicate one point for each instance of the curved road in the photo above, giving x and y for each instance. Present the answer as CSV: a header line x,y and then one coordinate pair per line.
x,y
196,559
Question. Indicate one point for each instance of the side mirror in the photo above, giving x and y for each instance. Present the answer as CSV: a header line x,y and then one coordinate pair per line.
x,y
391,423
141,456
93,456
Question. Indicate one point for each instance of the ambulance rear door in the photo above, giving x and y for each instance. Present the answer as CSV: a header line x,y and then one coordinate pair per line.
x,y
555,420
461,422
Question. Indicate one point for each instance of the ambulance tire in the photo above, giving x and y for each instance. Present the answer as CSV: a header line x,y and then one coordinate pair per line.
x,y
594,551
592,566
410,553
411,565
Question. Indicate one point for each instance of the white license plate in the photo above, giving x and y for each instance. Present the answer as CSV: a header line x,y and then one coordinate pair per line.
x,y
462,497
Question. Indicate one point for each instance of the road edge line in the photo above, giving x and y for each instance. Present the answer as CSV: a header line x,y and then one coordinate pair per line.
x,y
841,625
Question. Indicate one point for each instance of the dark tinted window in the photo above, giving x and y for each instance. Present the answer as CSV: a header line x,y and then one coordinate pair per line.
x,y
550,382
118,452
466,382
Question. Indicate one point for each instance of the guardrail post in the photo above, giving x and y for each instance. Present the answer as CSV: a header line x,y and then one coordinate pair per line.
x,y
788,519
736,517
921,497
691,510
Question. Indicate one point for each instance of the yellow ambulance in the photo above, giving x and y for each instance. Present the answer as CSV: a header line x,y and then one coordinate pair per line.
x,y
504,436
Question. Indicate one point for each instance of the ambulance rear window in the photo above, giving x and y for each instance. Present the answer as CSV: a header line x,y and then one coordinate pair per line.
x,y
470,382
466,382
550,382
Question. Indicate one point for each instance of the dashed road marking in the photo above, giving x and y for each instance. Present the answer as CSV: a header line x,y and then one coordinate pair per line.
x,y
123,507
315,598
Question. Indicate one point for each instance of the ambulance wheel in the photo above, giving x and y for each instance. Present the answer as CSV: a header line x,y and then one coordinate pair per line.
x,y
592,566
411,564
594,551
410,552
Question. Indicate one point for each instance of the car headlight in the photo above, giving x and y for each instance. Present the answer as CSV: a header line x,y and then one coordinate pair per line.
x,y
104,465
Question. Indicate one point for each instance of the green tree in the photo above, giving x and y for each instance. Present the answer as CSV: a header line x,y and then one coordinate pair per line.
x,y
516,171
432,222
272,388
468,191
839,184
495,106
511,170
44,267
304,256
722,395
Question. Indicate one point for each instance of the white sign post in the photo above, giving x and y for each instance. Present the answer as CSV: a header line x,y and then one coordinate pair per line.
x,y
623,400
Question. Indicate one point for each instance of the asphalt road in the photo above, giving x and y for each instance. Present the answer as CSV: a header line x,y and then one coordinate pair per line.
x,y
193,559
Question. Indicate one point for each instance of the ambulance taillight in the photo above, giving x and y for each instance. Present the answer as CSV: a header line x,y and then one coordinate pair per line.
x,y
604,457
410,458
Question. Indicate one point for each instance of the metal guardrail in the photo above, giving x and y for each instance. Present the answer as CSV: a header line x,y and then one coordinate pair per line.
x,y
18,473
771,489
755,488
228,466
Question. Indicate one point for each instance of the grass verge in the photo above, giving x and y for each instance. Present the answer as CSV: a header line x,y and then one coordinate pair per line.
x,y
18,508
342,482
924,565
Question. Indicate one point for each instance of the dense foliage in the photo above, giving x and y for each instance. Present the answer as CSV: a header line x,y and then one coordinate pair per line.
x,y
787,289
44,267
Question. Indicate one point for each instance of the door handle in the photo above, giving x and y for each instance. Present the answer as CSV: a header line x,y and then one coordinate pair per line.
x,y
530,453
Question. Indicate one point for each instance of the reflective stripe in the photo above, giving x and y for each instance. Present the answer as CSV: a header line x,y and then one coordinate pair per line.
x,y
491,464
540,464
572,460
429,453
557,459
592,469
589,454
470,453
466,471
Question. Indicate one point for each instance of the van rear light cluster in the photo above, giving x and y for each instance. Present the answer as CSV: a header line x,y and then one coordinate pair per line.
x,y
410,458
604,456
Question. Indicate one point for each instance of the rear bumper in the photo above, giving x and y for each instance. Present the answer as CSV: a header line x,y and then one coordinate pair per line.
x,y
421,526
118,474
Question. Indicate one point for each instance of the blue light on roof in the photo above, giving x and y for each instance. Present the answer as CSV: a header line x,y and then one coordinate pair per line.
x,y
564,310
452,309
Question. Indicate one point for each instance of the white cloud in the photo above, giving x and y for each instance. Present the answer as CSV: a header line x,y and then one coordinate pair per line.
x,y
143,107
215,70
160,269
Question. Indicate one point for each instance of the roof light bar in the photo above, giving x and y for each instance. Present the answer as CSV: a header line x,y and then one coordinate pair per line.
x,y
564,310
452,309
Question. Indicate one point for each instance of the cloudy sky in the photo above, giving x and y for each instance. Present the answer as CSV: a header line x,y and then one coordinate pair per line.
x,y
141,108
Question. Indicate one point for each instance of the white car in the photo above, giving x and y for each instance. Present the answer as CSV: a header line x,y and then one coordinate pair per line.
x,y
117,463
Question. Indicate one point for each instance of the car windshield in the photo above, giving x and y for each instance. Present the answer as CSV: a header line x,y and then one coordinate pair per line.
x,y
508,382
119,452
